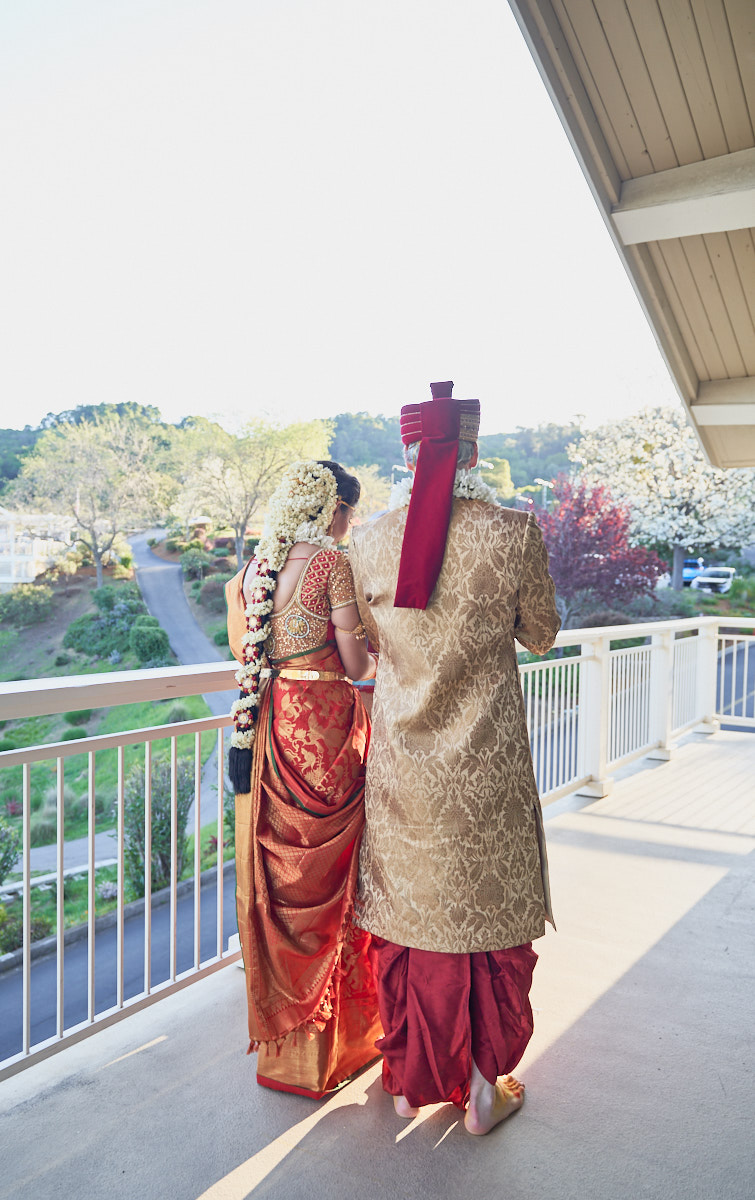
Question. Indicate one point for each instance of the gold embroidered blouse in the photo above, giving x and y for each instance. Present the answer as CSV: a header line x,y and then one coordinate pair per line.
x,y
302,625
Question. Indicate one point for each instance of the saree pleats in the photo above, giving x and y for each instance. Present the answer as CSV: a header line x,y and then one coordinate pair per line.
x,y
310,988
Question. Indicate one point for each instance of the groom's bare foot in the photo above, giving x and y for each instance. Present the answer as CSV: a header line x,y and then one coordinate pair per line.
x,y
494,1104
403,1108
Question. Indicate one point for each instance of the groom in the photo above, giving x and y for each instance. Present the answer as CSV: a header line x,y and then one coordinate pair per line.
x,y
453,872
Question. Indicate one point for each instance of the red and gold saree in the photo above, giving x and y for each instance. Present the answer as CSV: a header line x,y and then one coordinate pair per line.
x,y
311,993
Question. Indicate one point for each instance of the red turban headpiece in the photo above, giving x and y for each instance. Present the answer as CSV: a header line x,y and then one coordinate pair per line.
x,y
437,425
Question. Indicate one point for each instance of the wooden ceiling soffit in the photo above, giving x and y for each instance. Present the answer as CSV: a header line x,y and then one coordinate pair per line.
x,y
548,45
699,313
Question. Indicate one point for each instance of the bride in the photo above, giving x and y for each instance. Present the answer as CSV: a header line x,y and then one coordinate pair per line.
x,y
297,761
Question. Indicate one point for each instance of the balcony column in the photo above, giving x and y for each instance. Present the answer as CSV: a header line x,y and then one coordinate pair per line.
x,y
662,694
707,675
594,717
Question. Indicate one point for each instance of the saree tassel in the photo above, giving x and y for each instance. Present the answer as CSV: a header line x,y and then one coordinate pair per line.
x,y
240,770
253,1047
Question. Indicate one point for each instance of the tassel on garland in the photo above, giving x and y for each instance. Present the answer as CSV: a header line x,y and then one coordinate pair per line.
x,y
240,770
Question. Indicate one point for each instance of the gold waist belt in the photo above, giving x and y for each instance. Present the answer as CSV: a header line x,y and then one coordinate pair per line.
x,y
295,673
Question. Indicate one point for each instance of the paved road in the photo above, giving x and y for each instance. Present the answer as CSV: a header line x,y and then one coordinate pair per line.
x,y
162,589
44,970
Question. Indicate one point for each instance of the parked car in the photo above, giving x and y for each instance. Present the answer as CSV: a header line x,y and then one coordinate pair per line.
x,y
714,579
691,569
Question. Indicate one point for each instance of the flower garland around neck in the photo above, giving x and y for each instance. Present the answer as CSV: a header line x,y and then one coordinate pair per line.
x,y
468,485
301,510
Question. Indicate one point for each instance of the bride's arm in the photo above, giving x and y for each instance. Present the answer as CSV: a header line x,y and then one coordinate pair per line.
x,y
357,661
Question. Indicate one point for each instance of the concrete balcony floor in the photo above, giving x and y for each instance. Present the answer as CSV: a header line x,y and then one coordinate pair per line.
x,y
639,1077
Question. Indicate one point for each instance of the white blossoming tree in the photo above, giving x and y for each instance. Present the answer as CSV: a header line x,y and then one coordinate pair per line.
x,y
653,462
104,473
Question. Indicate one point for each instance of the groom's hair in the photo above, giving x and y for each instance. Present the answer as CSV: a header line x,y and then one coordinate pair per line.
x,y
463,458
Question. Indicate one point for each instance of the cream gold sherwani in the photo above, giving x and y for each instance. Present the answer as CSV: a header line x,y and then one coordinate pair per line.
x,y
453,857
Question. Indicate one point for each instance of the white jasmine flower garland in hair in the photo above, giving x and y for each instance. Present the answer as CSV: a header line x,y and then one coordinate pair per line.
x,y
468,485
300,510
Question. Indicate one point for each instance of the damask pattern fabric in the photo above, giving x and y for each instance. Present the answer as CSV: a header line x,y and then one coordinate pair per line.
x,y
453,857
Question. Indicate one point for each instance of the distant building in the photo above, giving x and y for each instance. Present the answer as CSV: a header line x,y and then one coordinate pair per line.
x,y
29,544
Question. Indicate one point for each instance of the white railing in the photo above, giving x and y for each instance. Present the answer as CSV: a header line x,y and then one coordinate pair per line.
x,y
38,989
594,706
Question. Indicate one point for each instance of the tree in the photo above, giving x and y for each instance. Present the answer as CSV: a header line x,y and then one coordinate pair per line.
x,y
14,444
539,451
140,414
499,477
233,476
10,848
134,828
102,473
654,463
589,551
375,490
366,441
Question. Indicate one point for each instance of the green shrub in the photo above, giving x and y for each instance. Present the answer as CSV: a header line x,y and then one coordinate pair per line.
x,y
76,810
221,638
212,595
250,545
79,716
221,551
10,848
684,603
108,629
195,563
177,712
62,660
133,823
12,930
145,621
8,743
742,591
43,830
604,616
70,735
175,545
149,643
26,604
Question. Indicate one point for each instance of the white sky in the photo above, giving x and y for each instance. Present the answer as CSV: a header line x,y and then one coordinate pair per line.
x,y
299,208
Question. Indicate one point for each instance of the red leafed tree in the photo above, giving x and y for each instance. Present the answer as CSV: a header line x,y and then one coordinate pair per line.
x,y
591,559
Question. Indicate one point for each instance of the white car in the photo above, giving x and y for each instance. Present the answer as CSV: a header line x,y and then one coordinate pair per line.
x,y
714,579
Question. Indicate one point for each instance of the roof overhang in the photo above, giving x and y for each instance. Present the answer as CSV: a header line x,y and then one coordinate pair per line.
x,y
658,100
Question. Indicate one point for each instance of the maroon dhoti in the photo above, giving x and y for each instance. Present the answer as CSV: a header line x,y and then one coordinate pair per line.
x,y
440,1011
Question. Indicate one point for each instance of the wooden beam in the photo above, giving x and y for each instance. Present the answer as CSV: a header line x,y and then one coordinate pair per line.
x,y
725,402
705,197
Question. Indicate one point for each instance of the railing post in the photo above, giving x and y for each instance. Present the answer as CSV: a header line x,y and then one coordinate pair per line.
x,y
707,676
662,694
594,717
